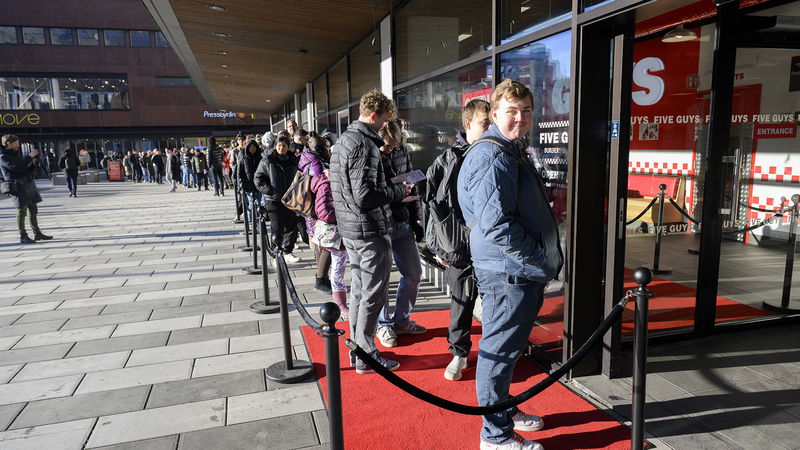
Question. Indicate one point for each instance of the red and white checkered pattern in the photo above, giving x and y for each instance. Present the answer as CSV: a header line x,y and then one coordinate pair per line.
x,y
770,203
774,173
660,168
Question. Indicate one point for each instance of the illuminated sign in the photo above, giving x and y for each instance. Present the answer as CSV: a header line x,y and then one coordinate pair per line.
x,y
219,114
13,119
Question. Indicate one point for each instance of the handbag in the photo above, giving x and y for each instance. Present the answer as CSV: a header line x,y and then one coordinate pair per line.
x,y
299,197
326,235
8,187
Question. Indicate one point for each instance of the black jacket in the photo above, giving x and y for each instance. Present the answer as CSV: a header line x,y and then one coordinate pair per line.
x,y
273,177
246,169
158,162
361,191
174,167
22,169
216,156
396,163
70,158
199,162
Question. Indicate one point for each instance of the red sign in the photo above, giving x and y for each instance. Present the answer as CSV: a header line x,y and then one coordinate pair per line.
x,y
775,131
483,94
115,171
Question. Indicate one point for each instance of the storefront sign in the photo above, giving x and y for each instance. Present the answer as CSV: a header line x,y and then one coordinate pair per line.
x,y
16,119
483,94
220,114
774,131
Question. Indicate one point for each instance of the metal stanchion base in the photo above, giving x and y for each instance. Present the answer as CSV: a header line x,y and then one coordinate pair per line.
x,y
252,270
261,308
662,268
299,372
779,309
245,249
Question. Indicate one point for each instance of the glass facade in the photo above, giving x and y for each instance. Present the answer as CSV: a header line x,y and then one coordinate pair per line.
x,y
430,34
88,37
161,40
520,17
365,62
33,35
174,81
303,122
61,36
140,38
8,35
337,85
69,93
114,38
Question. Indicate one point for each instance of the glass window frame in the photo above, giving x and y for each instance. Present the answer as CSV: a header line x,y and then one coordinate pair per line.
x,y
162,42
134,42
57,99
43,34
106,40
96,38
15,34
54,41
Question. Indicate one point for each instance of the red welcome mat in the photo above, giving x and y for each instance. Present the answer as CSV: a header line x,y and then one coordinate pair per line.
x,y
672,307
377,415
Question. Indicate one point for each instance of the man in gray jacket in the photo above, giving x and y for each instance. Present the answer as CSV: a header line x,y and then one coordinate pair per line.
x,y
361,197
515,252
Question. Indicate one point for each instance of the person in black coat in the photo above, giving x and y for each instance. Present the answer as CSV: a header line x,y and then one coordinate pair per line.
x,y
20,171
70,163
273,178
246,169
174,170
158,166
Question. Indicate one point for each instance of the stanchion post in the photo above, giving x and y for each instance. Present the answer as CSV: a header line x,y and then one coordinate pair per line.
x,y
657,267
643,277
789,268
255,270
330,313
247,246
289,370
237,197
266,307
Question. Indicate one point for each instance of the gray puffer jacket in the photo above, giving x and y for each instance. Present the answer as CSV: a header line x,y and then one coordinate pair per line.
x,y
361,192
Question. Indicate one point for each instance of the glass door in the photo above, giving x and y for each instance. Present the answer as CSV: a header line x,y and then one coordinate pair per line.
x,y
343,120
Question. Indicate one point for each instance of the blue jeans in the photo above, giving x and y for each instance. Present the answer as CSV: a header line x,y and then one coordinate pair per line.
x,y
510,305
406,258
146,174
186,174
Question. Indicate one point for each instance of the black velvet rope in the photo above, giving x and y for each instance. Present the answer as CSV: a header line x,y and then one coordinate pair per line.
x,y
682,211
293,294
771,211
652,202
751,228
460,408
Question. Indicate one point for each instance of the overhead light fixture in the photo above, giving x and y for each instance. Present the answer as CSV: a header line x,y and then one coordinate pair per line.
x,y
222,52
226,76
220,35
522,9
679,34
216,8
267,100
463,36
224,66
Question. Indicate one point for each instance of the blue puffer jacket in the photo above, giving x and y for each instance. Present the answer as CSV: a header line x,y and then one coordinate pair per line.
x,y
503,201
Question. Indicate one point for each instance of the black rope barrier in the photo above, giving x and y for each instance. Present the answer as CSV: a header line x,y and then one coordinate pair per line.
x,y
647,208
771,211
754,227
460,408
293,295
682,211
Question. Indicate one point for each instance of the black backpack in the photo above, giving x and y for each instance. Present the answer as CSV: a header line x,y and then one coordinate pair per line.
x,y
446,232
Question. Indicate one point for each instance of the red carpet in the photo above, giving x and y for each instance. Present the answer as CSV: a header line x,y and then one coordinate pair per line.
x,y
377,415
672,307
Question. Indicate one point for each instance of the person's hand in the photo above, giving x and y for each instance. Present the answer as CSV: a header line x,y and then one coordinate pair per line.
x,y
440,261
34,153
408,187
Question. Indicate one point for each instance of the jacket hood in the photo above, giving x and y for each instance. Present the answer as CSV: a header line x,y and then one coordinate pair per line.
x,y
248,144
268,140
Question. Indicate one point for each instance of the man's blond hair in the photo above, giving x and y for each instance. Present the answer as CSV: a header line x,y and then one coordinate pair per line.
x,y
375,102
474,106
510,89
9,139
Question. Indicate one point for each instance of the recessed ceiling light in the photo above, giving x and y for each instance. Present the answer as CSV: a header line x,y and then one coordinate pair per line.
x,y
303,51
226,76
268,100
224,65
222,52
221,35
216,8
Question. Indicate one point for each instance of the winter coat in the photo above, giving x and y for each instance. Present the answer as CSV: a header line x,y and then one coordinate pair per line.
x,y
246,170
67,160
22,169
396,163
216,156
158,163
361,192
173,167
274,176
313,164
502,198
323,198
199,162
186,160
136,162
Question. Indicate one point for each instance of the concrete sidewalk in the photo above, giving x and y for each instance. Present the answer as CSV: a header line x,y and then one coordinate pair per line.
x,y
131,328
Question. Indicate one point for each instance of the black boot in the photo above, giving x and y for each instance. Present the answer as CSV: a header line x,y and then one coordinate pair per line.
x,y
39,236
24,239
323,285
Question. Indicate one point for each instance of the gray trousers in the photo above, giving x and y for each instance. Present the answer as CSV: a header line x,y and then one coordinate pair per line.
x,y
370,265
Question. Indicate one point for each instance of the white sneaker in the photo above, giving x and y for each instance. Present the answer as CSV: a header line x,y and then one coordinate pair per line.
x,y
515,442
527,422
290,258
387,337
453,370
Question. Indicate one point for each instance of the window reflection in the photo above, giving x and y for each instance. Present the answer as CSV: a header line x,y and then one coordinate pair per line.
x,y
88,37
8,35
71,93
520,17
61,36
114,38
140,39
33,35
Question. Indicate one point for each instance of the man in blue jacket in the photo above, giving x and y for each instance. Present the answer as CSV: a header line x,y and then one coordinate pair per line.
x,y
515,252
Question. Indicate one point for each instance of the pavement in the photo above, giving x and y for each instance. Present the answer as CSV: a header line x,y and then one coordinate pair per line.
x,y
132,329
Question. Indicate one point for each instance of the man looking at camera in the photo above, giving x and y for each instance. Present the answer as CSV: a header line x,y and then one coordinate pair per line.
x,y
19,181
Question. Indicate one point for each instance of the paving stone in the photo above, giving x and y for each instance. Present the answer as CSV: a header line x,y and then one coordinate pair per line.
x,y
210,308
162,443
322,425
288,432
178,352
108,283
262,341
25,355
150,423
72,366
82,406
29,308
152,326
106,319
31,328
137,289
63,436
215,332
60,314
7,372
266,405
142,306
99,300
238,362
204,388
118,344
201,282
174,293
135,376
217,298
60,296
9,319
8,342
27,391
60,337
230,317
8,413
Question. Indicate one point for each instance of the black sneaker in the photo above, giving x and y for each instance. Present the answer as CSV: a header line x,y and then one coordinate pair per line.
x,y
42,237
323,285
362,367
24,239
